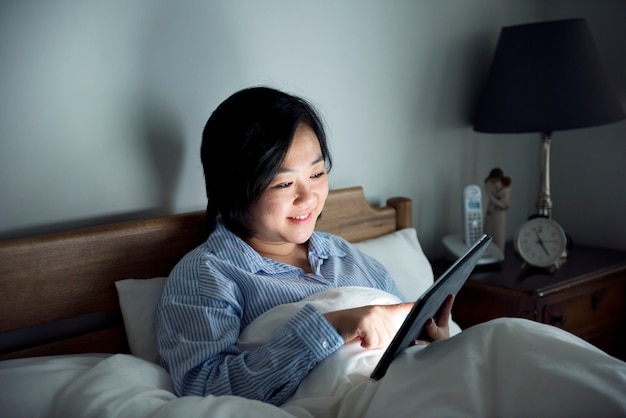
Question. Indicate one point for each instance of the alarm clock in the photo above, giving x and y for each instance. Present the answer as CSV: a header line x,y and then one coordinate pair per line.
x,y
541,242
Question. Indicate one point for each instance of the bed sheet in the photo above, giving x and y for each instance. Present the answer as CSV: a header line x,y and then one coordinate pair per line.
x,y
474,373
29,386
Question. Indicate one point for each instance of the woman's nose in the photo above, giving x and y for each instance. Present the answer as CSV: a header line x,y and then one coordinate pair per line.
x,y
303,195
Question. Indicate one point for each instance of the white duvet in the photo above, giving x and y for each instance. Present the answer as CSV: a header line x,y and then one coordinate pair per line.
x,y
504,368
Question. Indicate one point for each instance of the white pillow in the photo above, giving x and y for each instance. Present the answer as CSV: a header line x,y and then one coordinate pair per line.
x,y
138,302
400,252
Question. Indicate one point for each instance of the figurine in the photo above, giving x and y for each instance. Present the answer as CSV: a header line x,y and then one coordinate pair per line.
x,y
498,190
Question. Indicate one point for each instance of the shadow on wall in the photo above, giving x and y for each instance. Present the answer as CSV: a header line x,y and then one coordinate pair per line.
x,y
160,134
164,144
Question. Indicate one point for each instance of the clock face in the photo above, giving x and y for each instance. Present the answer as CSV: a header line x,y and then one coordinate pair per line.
x,y
541,242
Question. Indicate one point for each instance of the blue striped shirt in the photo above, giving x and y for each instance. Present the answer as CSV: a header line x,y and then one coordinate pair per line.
x,y
219,288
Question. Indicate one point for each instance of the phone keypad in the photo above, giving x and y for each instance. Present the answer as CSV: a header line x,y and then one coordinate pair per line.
x,y
474,227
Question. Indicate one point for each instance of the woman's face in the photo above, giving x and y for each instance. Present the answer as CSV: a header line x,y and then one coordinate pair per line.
x,y
288,209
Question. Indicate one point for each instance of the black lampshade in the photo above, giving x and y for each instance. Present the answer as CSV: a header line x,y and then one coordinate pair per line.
x,y
546,77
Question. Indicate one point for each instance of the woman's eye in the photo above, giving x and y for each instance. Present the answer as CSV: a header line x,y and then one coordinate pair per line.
x,y
284,185
318,175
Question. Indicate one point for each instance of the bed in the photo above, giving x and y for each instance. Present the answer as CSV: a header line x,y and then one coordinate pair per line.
x,y
76,338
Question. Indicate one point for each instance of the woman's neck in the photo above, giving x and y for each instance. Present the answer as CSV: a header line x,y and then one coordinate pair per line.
x,y
288,253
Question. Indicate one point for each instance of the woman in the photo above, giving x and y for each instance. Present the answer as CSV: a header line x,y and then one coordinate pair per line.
x,y
266,164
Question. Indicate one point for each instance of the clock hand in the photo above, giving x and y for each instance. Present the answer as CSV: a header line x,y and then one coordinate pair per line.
x,y
541,243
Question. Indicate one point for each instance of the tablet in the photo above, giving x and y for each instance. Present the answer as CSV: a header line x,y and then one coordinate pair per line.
x,y
428,305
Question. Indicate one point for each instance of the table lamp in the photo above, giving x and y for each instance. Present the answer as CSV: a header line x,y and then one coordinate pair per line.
x,y
546,77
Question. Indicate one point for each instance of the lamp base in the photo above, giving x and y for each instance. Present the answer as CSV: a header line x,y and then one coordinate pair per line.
x,y
544,202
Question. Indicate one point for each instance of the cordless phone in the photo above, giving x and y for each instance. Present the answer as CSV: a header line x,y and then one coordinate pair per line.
x,y
472,214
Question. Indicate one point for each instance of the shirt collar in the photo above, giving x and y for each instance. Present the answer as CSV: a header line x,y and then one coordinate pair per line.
x,y
224,243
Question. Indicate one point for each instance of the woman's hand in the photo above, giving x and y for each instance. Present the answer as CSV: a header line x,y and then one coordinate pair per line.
x,y
374,325
439,330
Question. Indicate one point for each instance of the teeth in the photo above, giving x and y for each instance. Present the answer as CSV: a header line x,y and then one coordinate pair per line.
x,y
301,217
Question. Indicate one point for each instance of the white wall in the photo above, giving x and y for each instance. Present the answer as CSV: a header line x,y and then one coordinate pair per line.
x,y
102,104
589,165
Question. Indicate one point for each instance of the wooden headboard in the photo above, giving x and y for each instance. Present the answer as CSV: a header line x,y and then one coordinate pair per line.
x,y
57,291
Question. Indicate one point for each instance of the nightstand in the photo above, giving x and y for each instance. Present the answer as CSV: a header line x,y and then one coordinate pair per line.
x,y
586,296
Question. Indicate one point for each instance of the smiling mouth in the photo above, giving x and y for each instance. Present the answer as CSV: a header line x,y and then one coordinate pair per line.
x,y
301,218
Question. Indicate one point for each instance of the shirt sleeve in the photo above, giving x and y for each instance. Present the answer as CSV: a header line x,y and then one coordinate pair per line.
x,y
197,342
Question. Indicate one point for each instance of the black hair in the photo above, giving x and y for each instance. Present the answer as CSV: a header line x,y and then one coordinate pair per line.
x,y
244,144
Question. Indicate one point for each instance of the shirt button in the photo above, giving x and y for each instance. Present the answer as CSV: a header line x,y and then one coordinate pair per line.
x,y
325,345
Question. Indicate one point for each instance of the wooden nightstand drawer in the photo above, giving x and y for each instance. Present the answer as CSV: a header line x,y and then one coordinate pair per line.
x,y
588,313
586,296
